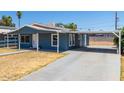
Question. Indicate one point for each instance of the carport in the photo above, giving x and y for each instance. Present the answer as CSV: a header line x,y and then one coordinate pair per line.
x,y
114,33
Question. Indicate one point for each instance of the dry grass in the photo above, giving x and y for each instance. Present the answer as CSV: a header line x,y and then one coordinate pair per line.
x,y
7,50
122,68
13,67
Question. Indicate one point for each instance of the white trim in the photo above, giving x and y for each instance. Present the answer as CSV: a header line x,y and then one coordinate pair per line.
x,y
115,34
52,40
57,42
37,42
70,40
119,47
7,40
19,41
85,40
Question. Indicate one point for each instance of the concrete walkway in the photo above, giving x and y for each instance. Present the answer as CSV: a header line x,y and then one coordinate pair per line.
x,y
12,53
80,65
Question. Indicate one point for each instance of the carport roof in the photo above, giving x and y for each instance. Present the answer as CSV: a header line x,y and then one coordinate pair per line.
x,y
6,29
43,28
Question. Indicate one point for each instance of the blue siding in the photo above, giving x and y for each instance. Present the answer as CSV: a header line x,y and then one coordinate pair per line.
x,y
64,42
45,42
27,30
77,41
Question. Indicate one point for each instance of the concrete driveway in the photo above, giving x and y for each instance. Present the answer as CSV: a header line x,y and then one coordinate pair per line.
x,y
99,65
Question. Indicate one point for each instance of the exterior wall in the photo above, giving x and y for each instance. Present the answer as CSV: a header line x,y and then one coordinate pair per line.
x,y
45,41
87,40
2,41
27,30
64,42
77,41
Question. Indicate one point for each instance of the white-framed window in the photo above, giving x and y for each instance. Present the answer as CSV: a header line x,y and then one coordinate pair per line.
x,y
25,39
71,40
54,40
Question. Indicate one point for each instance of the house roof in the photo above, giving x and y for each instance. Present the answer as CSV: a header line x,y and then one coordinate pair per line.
x,y
42,27
6,29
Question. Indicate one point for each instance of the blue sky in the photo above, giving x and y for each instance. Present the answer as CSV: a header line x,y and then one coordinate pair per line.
x,y
94,20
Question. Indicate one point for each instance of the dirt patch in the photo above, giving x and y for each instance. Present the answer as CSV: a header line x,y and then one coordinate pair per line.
x,y
101,43
13,67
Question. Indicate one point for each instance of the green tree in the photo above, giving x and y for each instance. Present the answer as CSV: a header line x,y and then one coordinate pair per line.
x,y
71,26
7,21
19,15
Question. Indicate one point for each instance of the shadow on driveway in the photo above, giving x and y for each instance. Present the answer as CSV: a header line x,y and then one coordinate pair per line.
x,y
97,50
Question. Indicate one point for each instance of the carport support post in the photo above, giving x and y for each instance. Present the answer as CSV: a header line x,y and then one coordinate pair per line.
x,y
37,42
7,40
119,47
19,41
57,42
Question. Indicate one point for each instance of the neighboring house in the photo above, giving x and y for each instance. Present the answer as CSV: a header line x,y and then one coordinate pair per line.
x,y
4,30
41,36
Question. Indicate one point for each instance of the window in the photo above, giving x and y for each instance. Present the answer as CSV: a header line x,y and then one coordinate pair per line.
x,y
71,40
54,40
25,39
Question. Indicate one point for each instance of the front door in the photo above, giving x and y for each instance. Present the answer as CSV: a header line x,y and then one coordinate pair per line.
x,y
34,40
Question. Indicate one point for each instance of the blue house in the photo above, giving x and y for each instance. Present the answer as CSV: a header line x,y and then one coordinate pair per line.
x,y
39,36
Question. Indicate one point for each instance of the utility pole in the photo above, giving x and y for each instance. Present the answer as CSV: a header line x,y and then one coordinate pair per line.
x,y
116,21
119,36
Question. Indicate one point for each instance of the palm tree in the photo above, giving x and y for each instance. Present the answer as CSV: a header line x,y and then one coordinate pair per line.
x,y
19,15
